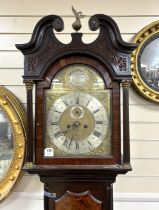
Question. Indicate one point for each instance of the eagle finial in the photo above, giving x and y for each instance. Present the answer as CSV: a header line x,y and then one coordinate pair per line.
x,y
77,24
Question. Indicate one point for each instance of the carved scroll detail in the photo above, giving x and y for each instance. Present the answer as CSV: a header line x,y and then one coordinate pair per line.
x,y
34,62
120,61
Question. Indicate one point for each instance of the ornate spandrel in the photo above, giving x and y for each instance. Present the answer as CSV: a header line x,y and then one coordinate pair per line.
x,y
78,201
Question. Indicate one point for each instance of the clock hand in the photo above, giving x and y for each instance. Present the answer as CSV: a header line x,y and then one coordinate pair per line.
x,y
76,124
65,131
71,140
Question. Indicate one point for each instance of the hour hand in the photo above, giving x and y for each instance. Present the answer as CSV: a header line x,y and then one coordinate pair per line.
x,y
75,125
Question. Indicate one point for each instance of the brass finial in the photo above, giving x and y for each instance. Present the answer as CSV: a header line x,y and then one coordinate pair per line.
x,y
77,24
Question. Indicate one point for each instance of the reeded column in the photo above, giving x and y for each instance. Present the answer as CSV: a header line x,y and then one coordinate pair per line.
x,y
29,154
126,132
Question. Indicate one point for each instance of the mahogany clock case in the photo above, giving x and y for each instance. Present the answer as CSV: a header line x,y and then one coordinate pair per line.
x,y
77,181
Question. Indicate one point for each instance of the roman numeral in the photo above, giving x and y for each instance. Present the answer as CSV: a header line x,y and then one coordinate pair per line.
x,y
77,145
99,122
66,142
97,110
88,102
77,100
70,143
89,143
96,133
58,111
66,104
54,123
58,134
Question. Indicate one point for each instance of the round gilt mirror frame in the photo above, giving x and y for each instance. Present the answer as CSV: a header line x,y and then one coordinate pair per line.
x,y
16,116
144,38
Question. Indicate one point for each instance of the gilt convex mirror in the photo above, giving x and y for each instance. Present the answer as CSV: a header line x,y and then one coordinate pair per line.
x,y
12,141
7,143
145,62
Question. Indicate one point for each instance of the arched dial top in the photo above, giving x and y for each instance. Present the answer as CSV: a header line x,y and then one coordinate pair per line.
x,y
77,113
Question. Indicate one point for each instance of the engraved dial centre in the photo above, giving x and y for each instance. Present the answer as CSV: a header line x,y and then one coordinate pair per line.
x,y
77,122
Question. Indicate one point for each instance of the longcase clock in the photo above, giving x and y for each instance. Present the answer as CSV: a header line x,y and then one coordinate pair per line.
x,y
74,143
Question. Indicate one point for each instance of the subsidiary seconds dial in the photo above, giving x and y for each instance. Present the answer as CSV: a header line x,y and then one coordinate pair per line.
x,y
77,123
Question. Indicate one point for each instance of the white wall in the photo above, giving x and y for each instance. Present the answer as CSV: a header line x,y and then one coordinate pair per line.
x,y
138,189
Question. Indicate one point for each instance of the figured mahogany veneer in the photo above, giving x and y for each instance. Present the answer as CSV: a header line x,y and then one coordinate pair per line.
x,y
77,201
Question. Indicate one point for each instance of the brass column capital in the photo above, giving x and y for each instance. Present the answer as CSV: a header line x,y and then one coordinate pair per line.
x,y
125,83
29,84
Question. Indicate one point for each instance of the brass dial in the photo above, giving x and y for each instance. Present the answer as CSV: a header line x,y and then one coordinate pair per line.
x,y
77,122
77,113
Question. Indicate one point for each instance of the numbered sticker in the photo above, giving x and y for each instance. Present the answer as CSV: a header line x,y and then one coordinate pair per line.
x,y
48,152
